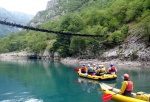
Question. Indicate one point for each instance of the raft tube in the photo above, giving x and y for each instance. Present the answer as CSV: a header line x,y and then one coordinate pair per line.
x,y
95,77
137,97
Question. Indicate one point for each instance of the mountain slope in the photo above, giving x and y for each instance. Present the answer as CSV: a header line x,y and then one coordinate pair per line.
x,y
14,17
117,21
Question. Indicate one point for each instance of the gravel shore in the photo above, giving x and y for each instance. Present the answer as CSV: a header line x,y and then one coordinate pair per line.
x,y
74,61
116,62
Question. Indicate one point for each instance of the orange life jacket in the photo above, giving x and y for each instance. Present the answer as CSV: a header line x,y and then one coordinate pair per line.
x,y
83,69
129,86
113,69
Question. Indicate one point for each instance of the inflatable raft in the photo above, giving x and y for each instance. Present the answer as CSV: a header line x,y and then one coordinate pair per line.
x,y
95,77
137,97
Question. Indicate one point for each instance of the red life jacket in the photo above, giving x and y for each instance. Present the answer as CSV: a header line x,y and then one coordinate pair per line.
x,y
113,69
83,69
129,86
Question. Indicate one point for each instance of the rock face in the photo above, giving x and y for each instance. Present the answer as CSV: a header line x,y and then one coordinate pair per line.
x,y
15,55
27,55
131,49
53,10
51,4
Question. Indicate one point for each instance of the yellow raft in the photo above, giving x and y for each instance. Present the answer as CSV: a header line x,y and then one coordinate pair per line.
x,y
95,77
137,97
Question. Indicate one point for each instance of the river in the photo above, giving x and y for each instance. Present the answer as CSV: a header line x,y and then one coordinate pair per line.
x,y
46,81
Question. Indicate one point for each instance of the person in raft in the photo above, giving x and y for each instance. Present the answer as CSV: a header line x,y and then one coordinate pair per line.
x,y
104,68
112,69
127,86
90,70
100,70
83,69
94,68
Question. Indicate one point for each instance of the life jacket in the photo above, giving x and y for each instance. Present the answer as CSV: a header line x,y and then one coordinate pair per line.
x,y
90,69
94,68
113,69
104,69
83,69
129,86
99,70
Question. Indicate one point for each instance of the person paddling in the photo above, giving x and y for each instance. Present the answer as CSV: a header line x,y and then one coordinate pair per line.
x,y
100,70
94,68
127,86
112,69
83,69
90,70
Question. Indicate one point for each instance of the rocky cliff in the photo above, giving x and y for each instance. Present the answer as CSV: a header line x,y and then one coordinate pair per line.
x,y
53,10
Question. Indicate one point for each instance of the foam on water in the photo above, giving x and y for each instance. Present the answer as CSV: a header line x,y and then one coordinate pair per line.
x,y
23,100
34,100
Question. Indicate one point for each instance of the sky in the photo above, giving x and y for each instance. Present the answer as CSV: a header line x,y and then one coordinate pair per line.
x,y
25,6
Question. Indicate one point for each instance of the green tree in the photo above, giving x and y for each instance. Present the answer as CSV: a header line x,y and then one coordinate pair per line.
x,y
77,46
145,25
134,10
115,38
124,30
113,24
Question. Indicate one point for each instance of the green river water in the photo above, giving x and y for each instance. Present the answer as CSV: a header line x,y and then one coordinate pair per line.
x,y
45,81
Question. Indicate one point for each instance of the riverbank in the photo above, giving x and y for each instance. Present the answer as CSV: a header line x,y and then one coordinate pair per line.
x,y
74,61
116,62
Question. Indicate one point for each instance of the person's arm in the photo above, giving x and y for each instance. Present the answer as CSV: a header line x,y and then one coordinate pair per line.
x,y
108,69
124,85
86,69
132,85
116,69
104,69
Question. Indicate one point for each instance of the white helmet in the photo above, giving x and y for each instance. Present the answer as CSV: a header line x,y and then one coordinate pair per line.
x,y
100,66
88,65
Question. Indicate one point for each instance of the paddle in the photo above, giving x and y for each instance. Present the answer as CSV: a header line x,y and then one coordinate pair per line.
x,y
122,77
76,69
107,97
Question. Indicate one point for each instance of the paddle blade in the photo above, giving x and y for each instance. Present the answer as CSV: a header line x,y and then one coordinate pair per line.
x,y
106,97
122,77
76,69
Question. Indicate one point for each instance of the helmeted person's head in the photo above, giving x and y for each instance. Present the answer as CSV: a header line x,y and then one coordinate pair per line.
x,y
111,65
126,76
83,64
94,65
100,66
88,65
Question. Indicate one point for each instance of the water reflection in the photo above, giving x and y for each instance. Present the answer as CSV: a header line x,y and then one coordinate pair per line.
x,y
90,86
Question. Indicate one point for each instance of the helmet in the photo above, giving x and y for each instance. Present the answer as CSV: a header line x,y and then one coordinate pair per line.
x,y
126,76
100,66
83,64
93,64
111,65
88,65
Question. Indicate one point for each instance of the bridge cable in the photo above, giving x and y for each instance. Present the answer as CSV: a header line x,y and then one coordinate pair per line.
x,y
44,30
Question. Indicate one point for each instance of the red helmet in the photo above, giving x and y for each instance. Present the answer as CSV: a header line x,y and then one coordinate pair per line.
x,y
126,76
